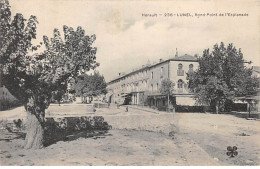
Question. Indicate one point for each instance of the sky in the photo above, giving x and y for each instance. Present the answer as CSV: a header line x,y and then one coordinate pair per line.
x,y
126,39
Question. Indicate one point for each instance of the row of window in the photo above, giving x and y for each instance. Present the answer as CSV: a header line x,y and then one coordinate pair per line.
x,y
143,84
180,85
140,74
161,73
156,87
180,72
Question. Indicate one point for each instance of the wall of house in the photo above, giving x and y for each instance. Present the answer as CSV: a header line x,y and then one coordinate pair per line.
x,y
148,80
175,77
159,72
185,100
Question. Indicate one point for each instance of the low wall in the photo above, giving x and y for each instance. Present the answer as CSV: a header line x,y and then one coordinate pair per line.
x,y
193,109
63,124
101,105
245,114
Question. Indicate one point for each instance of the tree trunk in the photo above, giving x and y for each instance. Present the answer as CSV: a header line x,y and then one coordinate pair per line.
x,y
35,131
217,109
168,103
249,109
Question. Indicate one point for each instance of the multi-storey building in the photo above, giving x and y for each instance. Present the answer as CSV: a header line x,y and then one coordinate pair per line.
x,y
142,86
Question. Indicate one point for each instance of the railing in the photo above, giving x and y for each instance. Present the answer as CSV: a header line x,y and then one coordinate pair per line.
x,y
180,72
182,90
190,71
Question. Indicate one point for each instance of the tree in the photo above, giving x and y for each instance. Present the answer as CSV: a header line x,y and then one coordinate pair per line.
x,y
167,88
32,78
221,76
90,85
57,95
63,91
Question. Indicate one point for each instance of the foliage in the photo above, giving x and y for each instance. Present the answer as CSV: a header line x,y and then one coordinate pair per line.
x,y
7,104
70,128
90,85
192,109
13,126
221,76
77,123
167,87
57,95
33,77
37,76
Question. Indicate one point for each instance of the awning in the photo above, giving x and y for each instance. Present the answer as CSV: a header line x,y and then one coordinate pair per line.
x,y
253,98
248,98
125,94
157,96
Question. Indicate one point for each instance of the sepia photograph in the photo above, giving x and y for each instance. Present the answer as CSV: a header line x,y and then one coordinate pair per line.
x,y
129,83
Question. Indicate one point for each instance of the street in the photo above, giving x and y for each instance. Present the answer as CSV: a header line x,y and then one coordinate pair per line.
x,y
142,138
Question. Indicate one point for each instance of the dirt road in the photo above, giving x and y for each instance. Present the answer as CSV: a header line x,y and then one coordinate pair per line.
x,y
143,138
117,147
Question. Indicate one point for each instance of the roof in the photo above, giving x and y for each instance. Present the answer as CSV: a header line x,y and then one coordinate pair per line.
x,y
257,97
256,69
186,58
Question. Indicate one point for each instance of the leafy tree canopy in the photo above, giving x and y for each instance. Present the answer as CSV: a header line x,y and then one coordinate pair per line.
x,y
32,78
167,87
221,76
91,85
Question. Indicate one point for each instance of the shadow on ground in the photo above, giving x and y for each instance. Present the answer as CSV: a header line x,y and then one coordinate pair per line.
x,y
9,135
52,138
59,129
72,128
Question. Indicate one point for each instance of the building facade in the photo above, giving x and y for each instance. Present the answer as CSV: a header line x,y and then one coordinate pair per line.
x,y
142,86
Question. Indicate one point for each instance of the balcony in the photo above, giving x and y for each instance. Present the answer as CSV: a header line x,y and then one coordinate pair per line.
x,y
180,90
180,72
183,90
190,71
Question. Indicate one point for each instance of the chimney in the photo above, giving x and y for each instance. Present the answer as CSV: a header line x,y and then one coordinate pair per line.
x,y
160,60
119,74
148,63
176,55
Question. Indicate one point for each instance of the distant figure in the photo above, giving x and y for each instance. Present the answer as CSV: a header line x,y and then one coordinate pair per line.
x,y
126,109
249,109
117,106
170,108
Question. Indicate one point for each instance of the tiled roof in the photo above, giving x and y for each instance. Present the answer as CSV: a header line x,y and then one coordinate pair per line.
x,y
256,69
186,57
